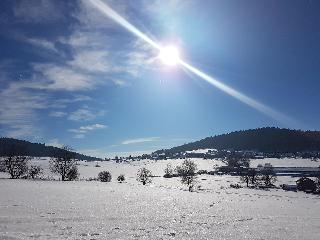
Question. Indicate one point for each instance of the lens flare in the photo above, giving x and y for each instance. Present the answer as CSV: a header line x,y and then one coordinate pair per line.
x,y
240,96
170,56
109,12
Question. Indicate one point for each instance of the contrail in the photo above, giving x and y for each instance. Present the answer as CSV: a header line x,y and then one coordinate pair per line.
x,y
109,12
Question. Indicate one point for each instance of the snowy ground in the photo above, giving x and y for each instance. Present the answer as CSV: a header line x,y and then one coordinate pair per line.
x,y
162,210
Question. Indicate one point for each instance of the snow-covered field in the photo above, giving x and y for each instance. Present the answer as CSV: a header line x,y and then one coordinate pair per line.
x,y
161,210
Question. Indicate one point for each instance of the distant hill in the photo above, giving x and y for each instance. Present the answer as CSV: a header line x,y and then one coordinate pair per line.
x,y
26,148
267,139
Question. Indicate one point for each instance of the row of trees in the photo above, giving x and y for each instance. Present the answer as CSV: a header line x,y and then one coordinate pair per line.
x,y
186,171
63,164
240,166
105,176
18,167
268,140
253,177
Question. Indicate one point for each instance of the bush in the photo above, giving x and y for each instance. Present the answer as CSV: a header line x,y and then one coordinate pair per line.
x,y
306,184
236,186
200,172
267,176
187,172
34,171
249,176
168,171
65,164
144,175
234,161
104,176
121,178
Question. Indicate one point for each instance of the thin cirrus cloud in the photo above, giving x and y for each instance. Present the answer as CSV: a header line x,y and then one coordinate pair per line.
x,y
83,130
24,100
18,111
140,140
37,11
57,114
85,114
54,143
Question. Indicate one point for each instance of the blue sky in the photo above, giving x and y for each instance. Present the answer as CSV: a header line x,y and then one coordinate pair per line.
x,y
70,75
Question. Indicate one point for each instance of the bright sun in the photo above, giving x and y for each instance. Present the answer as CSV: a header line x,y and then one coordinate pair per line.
x,y
169,55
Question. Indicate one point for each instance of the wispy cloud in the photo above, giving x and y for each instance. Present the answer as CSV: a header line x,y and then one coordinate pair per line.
x,y
57,114
37,11
140,140
82,131
98,60
54,143
42,43
87,128
59,77
64,102
84,114
18,110
90,18
85,58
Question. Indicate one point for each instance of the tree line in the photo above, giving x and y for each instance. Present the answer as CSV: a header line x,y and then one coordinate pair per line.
x,y
268,140
25,148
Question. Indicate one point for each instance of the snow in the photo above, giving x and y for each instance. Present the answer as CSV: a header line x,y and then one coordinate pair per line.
x,y
286,162
204,150
161,210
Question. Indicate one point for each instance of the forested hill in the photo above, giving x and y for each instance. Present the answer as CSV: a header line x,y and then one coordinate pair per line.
x,y
21,147
261,139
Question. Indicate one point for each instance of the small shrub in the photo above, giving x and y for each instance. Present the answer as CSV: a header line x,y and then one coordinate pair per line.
x,y
267,177
306,184
236,186
200,172
187,172
92,179
168,171
104,176
121,178
144,175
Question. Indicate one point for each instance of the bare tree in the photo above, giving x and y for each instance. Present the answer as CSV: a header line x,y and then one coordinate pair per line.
x,y
168,171
34,171
65,164
144,175
249,176
2,165
268,177
318,182
245,178
235,161
16,166
187,172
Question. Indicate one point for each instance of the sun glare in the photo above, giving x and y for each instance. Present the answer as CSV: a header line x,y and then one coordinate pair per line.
x,y
169,55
